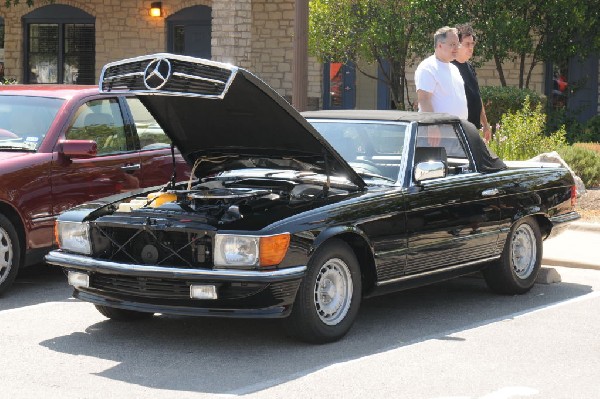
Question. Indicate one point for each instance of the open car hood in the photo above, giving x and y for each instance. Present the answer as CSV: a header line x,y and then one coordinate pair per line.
x,y
222,117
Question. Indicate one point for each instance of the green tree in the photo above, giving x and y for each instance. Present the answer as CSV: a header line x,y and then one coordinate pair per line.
x,y
391,33
533,32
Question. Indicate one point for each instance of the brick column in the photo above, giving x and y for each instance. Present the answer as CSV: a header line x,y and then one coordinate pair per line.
x,y
232,31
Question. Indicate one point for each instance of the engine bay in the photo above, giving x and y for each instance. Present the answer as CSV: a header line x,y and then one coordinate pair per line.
x,y
220,202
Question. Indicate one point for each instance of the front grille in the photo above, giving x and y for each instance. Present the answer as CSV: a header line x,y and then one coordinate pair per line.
x,y
168,288
144,287
142,245
187,77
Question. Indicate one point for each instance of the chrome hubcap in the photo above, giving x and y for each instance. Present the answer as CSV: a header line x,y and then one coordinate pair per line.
x,y
523,251
333,291
6,254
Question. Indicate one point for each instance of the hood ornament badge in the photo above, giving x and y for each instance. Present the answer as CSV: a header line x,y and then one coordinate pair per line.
x,y
157,73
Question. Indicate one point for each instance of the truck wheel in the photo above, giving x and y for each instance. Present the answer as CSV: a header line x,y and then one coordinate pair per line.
x,y
329,296
122,314
10,254
516,270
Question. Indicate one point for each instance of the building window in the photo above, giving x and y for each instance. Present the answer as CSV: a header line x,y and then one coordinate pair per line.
x,y
60,46
61,53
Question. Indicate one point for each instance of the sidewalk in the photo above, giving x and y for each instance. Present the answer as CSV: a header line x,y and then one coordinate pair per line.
x,y
578,246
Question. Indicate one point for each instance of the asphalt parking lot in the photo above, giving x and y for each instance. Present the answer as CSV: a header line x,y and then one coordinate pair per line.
x,y
449,340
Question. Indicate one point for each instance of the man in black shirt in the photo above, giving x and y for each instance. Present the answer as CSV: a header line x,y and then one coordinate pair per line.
x,y
475,106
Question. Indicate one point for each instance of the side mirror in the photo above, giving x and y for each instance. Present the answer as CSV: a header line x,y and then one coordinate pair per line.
x,y
81,149
429,170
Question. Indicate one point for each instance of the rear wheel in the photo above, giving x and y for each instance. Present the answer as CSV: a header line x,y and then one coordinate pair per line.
x,y
518,267
10,254
329,297
122,314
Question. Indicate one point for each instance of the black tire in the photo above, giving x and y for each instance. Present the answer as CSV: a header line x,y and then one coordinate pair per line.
x,y
516,270
122,314
327,317
10,254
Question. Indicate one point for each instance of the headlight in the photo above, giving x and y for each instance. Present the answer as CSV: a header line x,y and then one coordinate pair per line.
x,y
73,236
235,250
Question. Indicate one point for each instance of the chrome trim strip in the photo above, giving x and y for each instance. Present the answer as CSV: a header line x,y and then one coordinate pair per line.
x,y
196,77
436,271
63,259
125,75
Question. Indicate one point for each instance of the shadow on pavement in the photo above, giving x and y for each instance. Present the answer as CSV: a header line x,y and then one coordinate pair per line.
x,y
229,356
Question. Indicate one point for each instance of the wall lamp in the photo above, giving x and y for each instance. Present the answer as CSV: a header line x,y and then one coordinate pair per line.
x,y
156,9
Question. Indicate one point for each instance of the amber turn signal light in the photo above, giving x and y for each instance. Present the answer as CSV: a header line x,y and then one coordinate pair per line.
x,y
273,249
56,233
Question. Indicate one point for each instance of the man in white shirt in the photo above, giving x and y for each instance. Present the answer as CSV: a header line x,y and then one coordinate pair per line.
x,y
440,87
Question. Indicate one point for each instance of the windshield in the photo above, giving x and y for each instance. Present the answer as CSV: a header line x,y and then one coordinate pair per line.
x,y
371,148
24,121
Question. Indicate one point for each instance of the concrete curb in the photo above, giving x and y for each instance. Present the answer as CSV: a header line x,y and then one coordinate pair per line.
x,y
585,226
566,259
570,263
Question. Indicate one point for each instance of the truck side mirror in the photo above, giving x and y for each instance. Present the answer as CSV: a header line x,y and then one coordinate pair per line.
x,y
79,149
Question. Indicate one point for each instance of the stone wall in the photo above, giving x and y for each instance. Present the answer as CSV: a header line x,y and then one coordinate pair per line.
x,y
252,34
272,48
255,34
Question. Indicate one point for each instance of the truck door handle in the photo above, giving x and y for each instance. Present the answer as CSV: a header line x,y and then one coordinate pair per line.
x,y
490,192
131,167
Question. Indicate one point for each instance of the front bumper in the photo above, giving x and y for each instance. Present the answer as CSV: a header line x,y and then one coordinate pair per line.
x,y
159,289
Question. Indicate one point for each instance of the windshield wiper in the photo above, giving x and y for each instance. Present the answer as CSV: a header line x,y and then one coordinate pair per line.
x,y
375,175
13,147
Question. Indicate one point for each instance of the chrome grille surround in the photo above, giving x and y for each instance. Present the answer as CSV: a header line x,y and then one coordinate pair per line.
x,y
185,76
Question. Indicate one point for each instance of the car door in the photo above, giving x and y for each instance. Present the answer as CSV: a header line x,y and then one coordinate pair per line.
x,y
155,147
116,167
451,220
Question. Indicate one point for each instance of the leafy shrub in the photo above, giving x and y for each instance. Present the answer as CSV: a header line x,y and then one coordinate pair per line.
x,y
591,130
585,163
499,100
7,81
521,135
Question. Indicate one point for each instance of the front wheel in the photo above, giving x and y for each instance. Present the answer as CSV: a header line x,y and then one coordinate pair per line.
x,y
122,314
10,254
516,270
329,297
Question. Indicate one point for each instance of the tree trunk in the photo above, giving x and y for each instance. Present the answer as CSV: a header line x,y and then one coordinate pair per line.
x,y
500,71
521,69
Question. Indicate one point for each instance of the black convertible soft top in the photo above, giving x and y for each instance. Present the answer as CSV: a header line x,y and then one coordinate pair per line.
x,y
484,158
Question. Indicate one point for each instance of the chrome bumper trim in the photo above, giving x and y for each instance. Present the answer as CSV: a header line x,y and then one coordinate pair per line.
x,y
81,262
565,218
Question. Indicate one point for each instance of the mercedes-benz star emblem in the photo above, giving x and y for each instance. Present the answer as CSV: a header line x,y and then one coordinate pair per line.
x,y
157,73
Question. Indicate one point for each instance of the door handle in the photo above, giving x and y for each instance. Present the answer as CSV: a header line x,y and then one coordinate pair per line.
x,y
490,192
131,167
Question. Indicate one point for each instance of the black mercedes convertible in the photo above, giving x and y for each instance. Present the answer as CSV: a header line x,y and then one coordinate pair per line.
x,y
299,217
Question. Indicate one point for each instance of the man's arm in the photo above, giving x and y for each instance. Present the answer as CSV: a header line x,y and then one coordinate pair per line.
x,y
487,131
424,98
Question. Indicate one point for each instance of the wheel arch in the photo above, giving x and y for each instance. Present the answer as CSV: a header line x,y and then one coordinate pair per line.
x,y
544,224
360,246
15,218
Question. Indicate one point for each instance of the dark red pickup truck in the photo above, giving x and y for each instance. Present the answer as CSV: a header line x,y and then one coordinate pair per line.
x,y
61,146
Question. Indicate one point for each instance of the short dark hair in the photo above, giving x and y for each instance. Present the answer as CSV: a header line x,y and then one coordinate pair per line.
x,y
465,30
